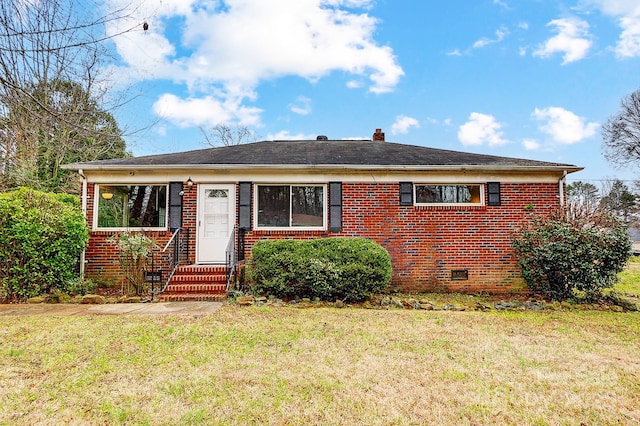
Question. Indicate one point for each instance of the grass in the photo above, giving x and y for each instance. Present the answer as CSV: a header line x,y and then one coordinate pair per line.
x,y
322,366
630,278
288,366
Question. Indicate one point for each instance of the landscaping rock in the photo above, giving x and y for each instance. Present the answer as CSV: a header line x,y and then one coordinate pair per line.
x,y
535,305
37,299
397,304
339,304
93,299
385,302
451,307
245,300
482,307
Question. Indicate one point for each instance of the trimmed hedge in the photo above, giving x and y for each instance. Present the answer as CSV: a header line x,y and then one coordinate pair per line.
x,y
348,269
41,238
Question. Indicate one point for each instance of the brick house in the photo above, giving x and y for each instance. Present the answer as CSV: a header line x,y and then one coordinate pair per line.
x,y
445,217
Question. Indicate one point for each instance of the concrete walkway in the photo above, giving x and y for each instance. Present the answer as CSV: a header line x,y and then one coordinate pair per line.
x,y
64,309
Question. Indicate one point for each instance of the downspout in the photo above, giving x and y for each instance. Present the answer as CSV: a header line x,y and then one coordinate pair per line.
x,y
561,184
84,213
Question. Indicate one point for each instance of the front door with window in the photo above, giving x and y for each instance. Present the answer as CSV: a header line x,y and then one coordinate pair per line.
x,y
216,209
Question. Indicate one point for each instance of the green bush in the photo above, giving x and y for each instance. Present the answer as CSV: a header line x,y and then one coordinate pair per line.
x,y
326,268
41,238
572,251
134,250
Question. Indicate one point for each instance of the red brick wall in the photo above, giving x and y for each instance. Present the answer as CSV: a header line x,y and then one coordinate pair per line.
x,y
427,243
101,257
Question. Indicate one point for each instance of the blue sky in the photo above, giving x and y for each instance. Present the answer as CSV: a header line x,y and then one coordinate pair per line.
x,y
530,78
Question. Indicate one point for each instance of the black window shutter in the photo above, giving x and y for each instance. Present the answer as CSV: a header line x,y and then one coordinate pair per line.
x,y
493,191
335,206
406,193
244,206
175,205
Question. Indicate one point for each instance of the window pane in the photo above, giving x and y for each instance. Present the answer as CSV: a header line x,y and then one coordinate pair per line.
x,y
447,194
273,205
307,206
132,206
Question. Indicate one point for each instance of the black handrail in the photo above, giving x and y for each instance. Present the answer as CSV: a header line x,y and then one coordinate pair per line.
x,y
231,261
175,252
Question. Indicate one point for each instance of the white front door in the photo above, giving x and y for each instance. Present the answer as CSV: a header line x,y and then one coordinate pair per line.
x,y
216,213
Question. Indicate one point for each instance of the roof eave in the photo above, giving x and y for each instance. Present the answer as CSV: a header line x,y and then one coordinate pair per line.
x,y
329,167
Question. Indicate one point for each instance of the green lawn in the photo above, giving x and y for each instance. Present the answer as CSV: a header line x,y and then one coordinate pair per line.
x,y
289,366
630,278
285,366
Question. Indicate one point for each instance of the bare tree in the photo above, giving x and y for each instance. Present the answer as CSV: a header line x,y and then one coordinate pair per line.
x,y
224,135
621,132
584,194
51,97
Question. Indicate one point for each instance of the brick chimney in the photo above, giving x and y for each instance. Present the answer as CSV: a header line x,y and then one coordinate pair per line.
x,y
378,135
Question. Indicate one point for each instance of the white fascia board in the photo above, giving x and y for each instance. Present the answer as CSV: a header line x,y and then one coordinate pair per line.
x,y
307,175
337,167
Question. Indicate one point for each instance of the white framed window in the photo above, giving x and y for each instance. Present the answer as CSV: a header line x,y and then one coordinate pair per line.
x,y
448,194
130,206
297,206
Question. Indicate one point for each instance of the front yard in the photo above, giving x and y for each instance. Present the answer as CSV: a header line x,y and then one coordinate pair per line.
x,y
322,366
283,366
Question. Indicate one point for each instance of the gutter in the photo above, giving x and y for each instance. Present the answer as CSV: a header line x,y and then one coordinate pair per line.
x,y
84,213
561,185
332,167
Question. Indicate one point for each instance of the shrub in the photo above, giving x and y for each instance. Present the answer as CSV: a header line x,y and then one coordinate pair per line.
x,y
573,250
41,238
134,249
327,268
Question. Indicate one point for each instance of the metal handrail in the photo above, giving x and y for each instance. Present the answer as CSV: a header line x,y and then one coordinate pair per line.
x,y
178,244
231,259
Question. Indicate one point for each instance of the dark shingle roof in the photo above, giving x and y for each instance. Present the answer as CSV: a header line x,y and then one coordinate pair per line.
x,y
334,153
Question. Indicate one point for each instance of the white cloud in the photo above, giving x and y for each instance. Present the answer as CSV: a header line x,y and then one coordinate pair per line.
x,y
627,12
204,111
403,124
301,106
564,126
483,42
502,3
285,135
436,122
572,40
481,129
454,52
530,144
224,49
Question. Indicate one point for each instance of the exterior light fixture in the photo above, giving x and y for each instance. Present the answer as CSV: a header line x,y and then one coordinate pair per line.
x,y
107,195
189,183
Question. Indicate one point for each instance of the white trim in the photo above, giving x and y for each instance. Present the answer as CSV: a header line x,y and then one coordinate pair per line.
x,y
328,167
325,211
480,203
285,176
96,209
